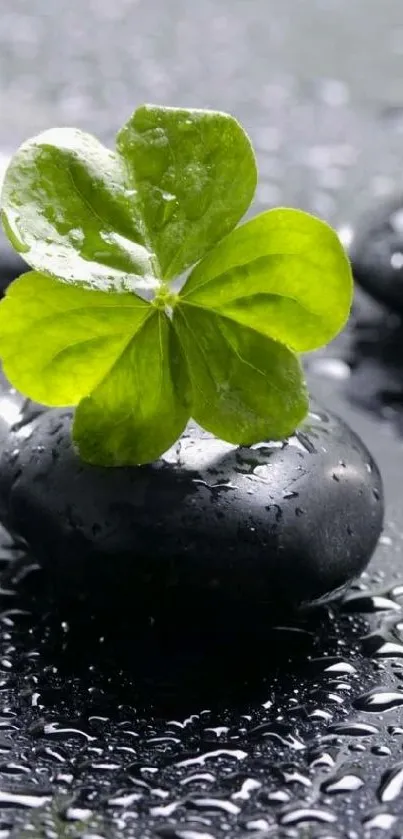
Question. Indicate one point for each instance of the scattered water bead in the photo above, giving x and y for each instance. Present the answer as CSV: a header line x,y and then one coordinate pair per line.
x,y
377,253
381,751
366,602
183,538
378,700
342,783
304,815
183,832
391,786
279,732
32,799
202,759
332,664
322,758
353,729
280,796
379,822
395,730
389,649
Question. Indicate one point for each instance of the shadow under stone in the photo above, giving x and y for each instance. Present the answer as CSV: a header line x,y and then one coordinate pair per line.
x,y
107,659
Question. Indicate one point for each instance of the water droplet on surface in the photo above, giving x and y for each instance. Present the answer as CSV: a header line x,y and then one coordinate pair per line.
x,y
379,821
200,760
261,825
379,699
346,235
307,814
391,785
198,777
53,730
321,760
33,799
280,796
77,814
332,368
331,664
226,485
346,782
395,730
396,260
389,649
358,729
248,786
125,800
381,751
280,732
320,714
211,804
305,442
368,603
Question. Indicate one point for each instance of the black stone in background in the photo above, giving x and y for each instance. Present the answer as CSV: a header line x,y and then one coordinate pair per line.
x,y
377,253
372,350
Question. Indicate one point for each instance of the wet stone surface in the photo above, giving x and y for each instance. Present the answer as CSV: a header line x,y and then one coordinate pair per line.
x,y
206,531
298,732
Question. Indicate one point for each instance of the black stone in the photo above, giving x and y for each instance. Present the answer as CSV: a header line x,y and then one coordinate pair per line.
x,y
207,530
377,254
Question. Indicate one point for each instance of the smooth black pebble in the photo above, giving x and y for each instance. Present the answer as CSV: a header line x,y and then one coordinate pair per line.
x,y
207,531
376,254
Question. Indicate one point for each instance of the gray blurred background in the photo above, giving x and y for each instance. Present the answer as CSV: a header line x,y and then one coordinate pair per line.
x,y
317,83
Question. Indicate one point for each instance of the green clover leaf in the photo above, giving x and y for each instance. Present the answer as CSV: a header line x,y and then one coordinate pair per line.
x,y
245,386
178,181
106,232
284,273
58,341
141,406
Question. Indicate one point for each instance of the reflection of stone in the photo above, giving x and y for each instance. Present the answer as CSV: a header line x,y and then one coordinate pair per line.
x,y
208,529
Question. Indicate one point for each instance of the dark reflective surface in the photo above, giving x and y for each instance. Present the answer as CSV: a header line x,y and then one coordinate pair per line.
x,y
204,735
